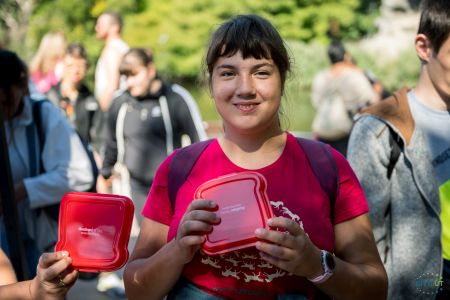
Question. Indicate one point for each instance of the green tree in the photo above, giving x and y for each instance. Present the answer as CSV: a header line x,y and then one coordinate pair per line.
x,y
178,30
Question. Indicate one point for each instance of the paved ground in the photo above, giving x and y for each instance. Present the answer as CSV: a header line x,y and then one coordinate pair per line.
x,y
85,290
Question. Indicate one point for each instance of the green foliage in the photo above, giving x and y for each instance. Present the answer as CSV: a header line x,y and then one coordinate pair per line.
x,y
178,30
393,73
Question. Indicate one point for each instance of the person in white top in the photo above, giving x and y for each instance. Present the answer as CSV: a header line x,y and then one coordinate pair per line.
x,y
107,76
107,81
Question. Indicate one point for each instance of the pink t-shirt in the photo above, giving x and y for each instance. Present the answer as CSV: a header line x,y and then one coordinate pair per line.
x,y
293,191
44,83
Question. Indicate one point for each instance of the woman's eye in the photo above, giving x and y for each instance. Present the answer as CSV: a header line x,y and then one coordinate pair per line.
x,y
226,74
262,73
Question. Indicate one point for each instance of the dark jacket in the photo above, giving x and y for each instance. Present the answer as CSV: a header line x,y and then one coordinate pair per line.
x,y
84,113
153,127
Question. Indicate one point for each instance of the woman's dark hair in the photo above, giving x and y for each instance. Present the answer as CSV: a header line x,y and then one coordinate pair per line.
x,y
134,57
77,50
253,36
13,72
336,52
435,22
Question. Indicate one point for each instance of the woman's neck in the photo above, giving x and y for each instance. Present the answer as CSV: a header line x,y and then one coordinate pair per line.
x,y
155,86
253,151
69,90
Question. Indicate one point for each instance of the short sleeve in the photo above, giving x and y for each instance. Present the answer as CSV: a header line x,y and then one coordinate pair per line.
x,y
157,207
351,201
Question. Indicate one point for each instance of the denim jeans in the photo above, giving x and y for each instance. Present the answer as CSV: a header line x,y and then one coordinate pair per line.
x,y
186,290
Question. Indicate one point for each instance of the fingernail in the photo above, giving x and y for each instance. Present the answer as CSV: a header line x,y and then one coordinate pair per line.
x,y
270,221
258,231
64,253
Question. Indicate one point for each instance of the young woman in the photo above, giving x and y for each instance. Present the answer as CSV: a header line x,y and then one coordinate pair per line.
x,y
247,64
146,123
46,65
73,96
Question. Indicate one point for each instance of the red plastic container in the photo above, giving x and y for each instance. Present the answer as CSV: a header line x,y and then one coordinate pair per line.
x,y
95,230
243,207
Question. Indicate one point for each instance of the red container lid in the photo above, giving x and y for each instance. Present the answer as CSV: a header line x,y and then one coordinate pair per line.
x,y
95,230
243,207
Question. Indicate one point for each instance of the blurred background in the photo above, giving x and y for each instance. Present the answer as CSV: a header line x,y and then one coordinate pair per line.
x,y
378,33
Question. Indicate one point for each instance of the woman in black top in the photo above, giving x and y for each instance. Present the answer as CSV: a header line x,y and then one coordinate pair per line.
x,y
147,122
75,98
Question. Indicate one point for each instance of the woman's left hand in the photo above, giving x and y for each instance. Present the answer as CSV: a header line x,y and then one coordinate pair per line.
x,y
54,278
289,248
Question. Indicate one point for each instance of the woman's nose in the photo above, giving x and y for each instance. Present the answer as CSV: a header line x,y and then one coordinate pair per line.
x,y
246,86
129,81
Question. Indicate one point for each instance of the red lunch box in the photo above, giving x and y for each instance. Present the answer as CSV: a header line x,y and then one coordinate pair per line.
x,y
95,230
243,207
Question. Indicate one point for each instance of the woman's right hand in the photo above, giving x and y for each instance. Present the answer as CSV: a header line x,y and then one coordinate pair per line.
x,y
54,277
197,221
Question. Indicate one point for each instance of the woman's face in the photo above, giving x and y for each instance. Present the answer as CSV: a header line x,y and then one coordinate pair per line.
x,y
138,82
10,107
247,93
74,69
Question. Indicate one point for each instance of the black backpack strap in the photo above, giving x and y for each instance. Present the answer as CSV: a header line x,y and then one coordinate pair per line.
x,y
33,155
38,168
324,168
396,145
36,109
181,165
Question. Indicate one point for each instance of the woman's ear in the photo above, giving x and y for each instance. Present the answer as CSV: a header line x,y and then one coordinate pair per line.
x,y
423,47
151,71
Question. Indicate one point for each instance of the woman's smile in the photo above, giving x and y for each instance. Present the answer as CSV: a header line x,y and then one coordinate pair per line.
x,y
246,107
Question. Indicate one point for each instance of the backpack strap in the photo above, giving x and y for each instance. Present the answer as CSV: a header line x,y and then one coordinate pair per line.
x,y
37,121
324,168
32,153
37,164
181,165
396,144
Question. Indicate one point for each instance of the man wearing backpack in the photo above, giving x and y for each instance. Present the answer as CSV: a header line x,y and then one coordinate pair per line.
x,y
400,150
337,94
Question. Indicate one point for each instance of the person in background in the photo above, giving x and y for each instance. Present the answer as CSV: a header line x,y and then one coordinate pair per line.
x,y
147,122
108,82
107,78
73,96
400,149
378,87
46,64
52,281
42,173
338,93
247,64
